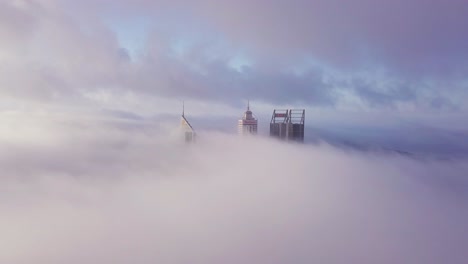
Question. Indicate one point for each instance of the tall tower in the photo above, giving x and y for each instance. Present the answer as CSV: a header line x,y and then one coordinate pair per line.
x,y
288,124
187,129
248,124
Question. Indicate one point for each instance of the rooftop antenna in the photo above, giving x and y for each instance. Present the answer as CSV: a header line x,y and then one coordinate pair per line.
x,y
248,105
183,108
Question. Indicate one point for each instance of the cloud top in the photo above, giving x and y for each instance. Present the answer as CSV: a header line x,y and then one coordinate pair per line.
x,y
100,192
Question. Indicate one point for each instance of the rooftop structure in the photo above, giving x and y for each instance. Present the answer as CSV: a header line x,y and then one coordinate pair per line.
x,y
186,127
248,124
288,124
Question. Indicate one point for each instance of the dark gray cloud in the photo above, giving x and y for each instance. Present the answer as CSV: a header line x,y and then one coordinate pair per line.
x,y
216,80
379,93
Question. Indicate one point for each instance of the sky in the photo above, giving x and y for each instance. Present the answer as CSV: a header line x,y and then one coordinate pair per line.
x,y
404,61
92,169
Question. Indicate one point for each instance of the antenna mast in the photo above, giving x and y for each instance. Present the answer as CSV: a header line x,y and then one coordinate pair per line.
x,y
183,108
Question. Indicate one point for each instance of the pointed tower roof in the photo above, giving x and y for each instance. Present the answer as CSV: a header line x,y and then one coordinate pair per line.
x,y
248,115
184,122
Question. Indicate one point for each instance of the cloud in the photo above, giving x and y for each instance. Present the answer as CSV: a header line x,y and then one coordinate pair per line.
x,y
55,58
90,173
412,33
107,191
304,52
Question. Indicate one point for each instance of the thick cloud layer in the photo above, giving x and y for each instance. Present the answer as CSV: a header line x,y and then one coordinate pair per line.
x,y
106,191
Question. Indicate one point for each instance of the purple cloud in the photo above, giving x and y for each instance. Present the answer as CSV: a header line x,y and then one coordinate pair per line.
x,y
111,192
418,46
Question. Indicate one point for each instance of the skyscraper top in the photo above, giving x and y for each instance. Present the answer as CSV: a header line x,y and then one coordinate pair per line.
x,y
186,127
248,115
248,123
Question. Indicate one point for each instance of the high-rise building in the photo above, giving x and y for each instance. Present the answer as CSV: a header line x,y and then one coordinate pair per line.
x,y
288,124
187,129
248,124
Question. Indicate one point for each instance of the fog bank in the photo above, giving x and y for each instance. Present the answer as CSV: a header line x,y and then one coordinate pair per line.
x,y
94,191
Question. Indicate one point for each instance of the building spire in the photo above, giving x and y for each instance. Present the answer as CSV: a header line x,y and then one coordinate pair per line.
x,y
248,123
183,108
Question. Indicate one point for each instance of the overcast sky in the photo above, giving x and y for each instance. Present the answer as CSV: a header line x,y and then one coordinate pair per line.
x,y
381,63
398,55
92,169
